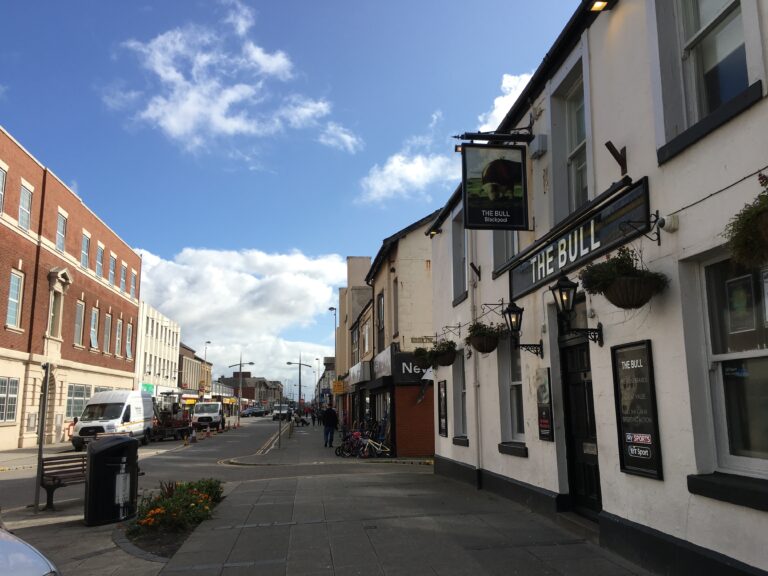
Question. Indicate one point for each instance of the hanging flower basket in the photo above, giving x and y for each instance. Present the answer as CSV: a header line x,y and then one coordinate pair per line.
x,y
445,358
630,293
484,343
484,337
622,280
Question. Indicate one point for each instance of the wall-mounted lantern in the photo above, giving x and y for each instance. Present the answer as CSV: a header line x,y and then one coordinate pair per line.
x,y
564,292
513,316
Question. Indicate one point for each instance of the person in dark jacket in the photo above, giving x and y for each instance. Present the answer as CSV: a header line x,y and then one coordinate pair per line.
x,y
331,423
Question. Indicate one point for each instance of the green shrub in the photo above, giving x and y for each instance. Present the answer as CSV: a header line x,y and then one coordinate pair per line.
x,y
747,232
596,278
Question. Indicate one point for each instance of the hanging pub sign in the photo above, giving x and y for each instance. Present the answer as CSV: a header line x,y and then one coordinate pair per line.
x,y
637,422
442,409
494,187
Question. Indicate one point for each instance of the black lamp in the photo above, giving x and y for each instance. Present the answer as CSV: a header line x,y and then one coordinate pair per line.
x,y
564,292
513,316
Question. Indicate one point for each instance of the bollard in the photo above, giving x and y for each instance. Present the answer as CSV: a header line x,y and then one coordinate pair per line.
x,y
207,431
193,438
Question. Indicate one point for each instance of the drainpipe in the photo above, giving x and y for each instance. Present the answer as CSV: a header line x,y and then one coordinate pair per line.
x,y
472,285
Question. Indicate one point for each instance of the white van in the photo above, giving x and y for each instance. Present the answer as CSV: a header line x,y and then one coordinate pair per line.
x,y
115,411
208,415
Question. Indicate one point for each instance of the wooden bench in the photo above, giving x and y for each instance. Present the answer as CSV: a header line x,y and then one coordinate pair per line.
x,y
59,471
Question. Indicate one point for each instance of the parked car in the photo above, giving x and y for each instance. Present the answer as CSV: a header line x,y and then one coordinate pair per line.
x,y
281,412
22,559
253,411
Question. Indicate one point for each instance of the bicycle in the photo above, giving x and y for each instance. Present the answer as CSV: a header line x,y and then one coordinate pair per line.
x,y
373,448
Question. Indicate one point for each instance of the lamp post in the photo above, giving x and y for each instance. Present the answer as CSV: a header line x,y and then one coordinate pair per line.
x,y
240,383
205,365
299,364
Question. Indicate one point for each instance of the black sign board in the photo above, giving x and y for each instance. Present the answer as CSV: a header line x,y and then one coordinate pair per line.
x,y
494,187
544,405
442,409
637,422
598,231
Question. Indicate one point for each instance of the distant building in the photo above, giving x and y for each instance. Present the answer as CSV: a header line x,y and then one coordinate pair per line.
x,y
157,351
69,287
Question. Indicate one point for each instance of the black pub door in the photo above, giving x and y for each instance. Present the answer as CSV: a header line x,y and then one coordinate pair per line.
x,y
581,435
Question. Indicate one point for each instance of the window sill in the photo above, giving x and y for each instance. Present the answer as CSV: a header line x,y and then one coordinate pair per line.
x,y
14,329
460,441
518,449
460,298
78,346
739,490
705,126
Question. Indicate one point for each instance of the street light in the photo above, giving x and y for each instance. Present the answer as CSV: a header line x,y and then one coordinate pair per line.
x,y
240,384
299,364
205,365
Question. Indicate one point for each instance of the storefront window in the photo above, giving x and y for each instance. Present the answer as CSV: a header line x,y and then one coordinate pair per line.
x,y
745,387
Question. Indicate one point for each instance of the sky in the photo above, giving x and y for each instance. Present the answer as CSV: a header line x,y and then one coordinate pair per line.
x,y
246,148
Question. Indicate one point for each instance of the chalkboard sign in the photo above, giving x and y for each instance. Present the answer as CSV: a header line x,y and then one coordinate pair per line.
x,y
636,417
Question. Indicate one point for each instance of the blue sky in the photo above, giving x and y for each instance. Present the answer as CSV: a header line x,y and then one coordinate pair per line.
x,y
247,147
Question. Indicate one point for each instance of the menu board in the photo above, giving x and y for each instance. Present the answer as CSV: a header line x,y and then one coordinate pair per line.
x,y
636,417
442,409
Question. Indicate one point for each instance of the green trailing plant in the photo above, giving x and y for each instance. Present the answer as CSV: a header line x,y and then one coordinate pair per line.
x,y
481,329
747,231
421,357
441,352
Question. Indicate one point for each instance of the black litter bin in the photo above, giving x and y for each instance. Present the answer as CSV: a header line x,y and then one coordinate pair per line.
x,y
111,480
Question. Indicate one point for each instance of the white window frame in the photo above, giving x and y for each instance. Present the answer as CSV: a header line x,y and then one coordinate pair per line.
x,y
112,269
459,386
100,261
61,232
25,207
573,72
123,277
726,461
9,397
128,343
676,113
510,392
119,337
133,284
15,299
85,250
94,329
79,322
504,247
365,331
3,179
459,255
107,332
77,397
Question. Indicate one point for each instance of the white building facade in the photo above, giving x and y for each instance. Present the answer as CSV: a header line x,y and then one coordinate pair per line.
x,y
157,352
659,433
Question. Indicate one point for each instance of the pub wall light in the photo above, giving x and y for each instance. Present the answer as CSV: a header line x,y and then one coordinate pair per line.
x,y
599,6
564,292
513,316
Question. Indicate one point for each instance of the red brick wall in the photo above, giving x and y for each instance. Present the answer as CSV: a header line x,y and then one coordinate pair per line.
x,y
48,195
415,433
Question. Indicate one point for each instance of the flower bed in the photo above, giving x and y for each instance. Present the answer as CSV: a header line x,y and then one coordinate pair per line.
x,y
176,507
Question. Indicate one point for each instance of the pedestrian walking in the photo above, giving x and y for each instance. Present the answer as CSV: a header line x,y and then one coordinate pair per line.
x,y
330,424
314,417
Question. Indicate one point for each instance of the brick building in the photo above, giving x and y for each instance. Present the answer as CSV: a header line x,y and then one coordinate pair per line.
x,y
70,289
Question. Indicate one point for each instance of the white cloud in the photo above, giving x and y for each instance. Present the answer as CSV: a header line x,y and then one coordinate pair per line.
x,y
405,176
245,299
511,87
412,171
336,136
207,85
277,64
239,16
3,90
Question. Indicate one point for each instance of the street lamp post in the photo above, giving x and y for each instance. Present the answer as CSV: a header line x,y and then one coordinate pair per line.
x,y
299,364
240,383
205,365
335,360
